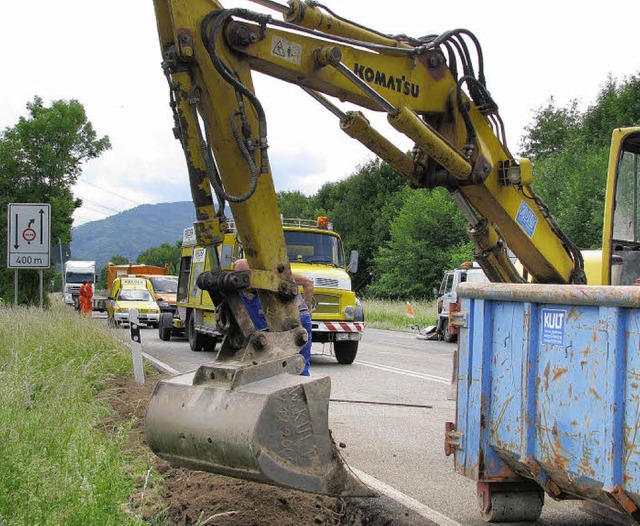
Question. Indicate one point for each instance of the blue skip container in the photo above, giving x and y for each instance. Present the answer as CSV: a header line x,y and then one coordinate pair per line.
x,y
548,398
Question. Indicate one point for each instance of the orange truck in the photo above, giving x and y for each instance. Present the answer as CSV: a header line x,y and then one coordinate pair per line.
x,y
115,271
164,285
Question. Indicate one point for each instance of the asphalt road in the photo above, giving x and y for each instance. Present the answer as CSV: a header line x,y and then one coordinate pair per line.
x,y
400,446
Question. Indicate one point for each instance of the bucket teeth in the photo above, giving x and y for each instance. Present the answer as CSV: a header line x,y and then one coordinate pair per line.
x,y
273,431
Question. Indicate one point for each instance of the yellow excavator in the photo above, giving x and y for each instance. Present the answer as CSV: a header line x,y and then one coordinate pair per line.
x,y
249,414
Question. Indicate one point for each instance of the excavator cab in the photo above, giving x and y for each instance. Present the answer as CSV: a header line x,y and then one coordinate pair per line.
x,y
621,232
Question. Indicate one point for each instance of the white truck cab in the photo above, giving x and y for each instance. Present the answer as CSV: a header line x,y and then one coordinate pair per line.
x,y
447,296
75,272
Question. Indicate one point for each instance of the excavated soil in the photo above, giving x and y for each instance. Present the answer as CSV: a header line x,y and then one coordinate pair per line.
x,y
182,497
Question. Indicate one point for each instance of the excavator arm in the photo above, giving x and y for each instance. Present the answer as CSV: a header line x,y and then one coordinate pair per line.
x,y
248,414
419,83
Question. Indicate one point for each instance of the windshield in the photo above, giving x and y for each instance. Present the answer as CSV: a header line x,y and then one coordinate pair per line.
x,y
625,222
79,277
625,245
135,295
314,247
165,284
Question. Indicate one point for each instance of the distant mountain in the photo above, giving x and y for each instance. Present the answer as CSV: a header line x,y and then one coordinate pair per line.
x,y
130,232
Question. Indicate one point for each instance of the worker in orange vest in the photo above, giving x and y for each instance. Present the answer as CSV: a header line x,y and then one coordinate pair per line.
x,y
86,295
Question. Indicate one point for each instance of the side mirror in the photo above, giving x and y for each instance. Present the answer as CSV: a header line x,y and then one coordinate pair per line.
x,y
435,292
226,256
353,262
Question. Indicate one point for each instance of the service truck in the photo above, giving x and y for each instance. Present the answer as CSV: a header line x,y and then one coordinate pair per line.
x,y
163,286
195,313
75,272
447,303
131,269
314,249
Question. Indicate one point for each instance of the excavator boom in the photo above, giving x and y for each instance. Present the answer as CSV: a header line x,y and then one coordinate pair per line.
x,y
248,414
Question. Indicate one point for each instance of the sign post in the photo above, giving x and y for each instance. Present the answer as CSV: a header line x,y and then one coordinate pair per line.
x,y
29,239
60,254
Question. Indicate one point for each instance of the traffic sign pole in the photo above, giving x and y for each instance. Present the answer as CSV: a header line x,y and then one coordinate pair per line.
x,y
41,272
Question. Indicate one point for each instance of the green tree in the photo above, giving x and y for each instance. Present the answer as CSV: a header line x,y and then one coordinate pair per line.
x,y
572,184
361,209
570,153
327,198
294,204
550,130
428,236
41,158
617,104
162,255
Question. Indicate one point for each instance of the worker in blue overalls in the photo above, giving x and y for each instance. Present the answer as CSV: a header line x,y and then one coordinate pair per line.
x,y
304,300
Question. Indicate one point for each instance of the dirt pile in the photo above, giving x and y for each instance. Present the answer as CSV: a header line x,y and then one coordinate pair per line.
x,y
184,497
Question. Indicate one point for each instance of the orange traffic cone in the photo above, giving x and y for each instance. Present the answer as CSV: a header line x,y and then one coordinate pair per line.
x,y
410,311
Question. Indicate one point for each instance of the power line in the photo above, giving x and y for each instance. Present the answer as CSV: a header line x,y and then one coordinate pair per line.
x,y
111,192
95,203
81,220
95,210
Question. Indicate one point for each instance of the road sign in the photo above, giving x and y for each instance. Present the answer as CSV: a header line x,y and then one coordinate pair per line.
x,y
29,235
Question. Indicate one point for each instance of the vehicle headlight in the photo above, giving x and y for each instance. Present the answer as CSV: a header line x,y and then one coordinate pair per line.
x,y
349,312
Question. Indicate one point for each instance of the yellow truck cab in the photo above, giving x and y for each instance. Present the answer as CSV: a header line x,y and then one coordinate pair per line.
x,y
132,293
315,250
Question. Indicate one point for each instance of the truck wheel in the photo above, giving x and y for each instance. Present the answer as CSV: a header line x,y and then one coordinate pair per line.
x,y
512,506
345,351
197,341
449,338
165,324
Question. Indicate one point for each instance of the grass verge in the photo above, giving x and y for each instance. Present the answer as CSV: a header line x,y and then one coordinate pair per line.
x,y
57,466
392,315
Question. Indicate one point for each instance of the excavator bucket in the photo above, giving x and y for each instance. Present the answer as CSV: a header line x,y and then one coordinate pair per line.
x,y
272,430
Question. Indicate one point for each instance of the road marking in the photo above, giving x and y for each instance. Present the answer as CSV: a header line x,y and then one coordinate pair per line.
x,y
166,368
423,376
439,379
409,502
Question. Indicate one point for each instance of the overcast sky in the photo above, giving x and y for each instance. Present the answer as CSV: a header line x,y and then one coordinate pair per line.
x,y
106,55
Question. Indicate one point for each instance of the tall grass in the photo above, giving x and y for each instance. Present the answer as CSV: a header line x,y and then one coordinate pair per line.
x,y
56,466
392,315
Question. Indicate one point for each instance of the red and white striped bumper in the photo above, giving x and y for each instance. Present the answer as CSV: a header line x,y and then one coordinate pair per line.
x,y
338,326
